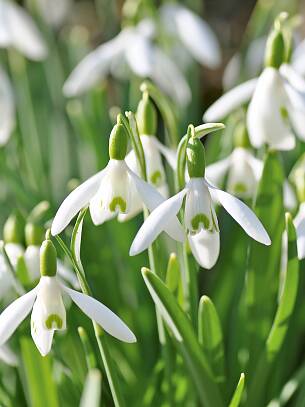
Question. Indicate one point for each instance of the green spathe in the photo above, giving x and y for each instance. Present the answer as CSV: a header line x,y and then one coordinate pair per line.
x,y
48,259
13,229
195,158
118,142
275,53
146,116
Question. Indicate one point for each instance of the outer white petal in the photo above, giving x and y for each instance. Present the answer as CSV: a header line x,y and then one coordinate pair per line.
x,y
8,356
290,201
243,215
54,12
67,274
264,118
216,172
205,247
231,73
75,201
297,118
15,313
170,79
7,108
156,223
230,101
42,337
152,198
256,165
299,222
94,67
5,39
169,154
32,261
293,77
198,38
139,55
23,33
102,315
296,98
298,58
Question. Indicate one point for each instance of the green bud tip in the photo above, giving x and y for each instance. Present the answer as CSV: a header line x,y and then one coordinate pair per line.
x,y
48,257
275,48
13,231
118,141
195,155
146,115
34,234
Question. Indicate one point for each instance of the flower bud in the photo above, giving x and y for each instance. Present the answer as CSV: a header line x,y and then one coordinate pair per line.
x,y
146,116
241,138
34,234
13,229
275,48
195,157
118,142
48,258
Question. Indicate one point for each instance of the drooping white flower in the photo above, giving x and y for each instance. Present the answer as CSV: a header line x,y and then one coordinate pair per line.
x,y
48,310
200,221
116,190
132,48
277,97
193,32
7,108
18,30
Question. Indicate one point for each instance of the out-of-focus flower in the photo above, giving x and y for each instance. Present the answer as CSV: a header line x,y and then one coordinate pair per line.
x,y
116,190
18,30
200,219
132,48
54,12
48,310
8,356
193,33
7,108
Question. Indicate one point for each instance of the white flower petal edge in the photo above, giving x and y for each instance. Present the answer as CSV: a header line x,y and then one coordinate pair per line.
x,y
205,247
15,313
152,199
8,356
75,201
102,315
299,222
156,223
7,111
243,215
230,101
293,77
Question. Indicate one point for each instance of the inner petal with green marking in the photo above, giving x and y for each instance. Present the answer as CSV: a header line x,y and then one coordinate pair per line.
x,y
54,321
156,178
200,219
240,188
118,203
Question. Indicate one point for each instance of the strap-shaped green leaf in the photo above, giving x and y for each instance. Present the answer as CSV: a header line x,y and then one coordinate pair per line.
x,y
91,396
281,321
264,261
183,332
211,338
236,399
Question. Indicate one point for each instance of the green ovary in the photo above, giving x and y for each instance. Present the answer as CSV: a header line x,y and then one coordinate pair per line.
x,y
156,177
240,187
118,202
200,218
54,319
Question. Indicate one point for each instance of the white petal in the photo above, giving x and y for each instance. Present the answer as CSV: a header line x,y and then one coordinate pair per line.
x,y
198,38
7,108
156,223
256,165
231,73
244,216
67,274
264,118
230,101
205,247
297,118
293,77
299,222
32,261
139,55
298,58
15,313
23,33
169,154
290,201
102,315
216,172
75,201
94,67
54,12
152,198
8,356
42,337
296,98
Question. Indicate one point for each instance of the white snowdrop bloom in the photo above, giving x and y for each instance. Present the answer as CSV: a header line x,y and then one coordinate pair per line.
x,y
116,190
7,108
48,310
18,30
54,12
133,48
193,32
299,222
200,221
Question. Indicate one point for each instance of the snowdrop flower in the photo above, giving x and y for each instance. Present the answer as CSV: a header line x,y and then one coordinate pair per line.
x,y
54,12
277,97
153,149
116,190
7,108
132,48
48,310
200,219
193,32
18,30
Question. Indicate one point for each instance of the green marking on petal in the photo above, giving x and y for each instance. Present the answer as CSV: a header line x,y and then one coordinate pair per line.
x,y
284,113
54,319
118,201
239,187
200,218
156,177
